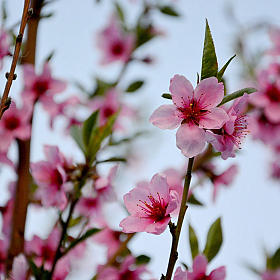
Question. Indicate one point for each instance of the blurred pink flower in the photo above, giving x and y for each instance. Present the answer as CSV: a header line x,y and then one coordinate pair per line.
x,y
271,275
20,268
150,207
115,43
274,34
51,178
15,124
4,46
195,110
127,271
225,139
199,271
40,87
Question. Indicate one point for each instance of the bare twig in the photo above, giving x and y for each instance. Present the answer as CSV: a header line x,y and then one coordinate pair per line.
x,y
11,75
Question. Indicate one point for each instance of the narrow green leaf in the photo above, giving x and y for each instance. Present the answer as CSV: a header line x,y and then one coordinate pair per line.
x,y
77,135
214,240
193,200
168,10
237,94
113,159
166,95
209,59
4,12
86,235
274,261
142,259
74,221
144,35
222,71
185,265
193,242
101,87
119,11
89,125
134,86
49,57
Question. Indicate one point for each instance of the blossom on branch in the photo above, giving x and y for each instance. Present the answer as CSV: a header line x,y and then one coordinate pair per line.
x,y
150,207
194,110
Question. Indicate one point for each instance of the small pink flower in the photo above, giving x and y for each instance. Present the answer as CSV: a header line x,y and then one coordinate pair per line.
x,y
225,139
115,43
195,110
15,124
51,178
40,87
274,34
150,207
127,271
20,268
4,46
199,271
271,275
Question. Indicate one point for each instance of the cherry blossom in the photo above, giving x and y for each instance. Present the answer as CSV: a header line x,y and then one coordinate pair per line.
x,y
199,271
150,207
225,139
115,43
20,268
15,124
51,178
40,87
127,270
194,109
274,34
271,274
4,46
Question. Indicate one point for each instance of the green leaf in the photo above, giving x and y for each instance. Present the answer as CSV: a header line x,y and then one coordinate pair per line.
x,y
142,259
214,240
168,10
144,35
77,135
185,265
113,159
74,221
237,94
134,86
166,95
193,200
209,59
49,57
4,12
89,125
119,11
274,261
193,242
222,71
101,87
86,235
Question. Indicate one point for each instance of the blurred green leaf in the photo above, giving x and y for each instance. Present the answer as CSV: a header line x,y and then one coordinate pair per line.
x,y
193,242
209,59
101,87
142,259
222,71
214,240
89,125
4,12
119,11
135,86
166,95
113,159
274,261
168,10
77,135
144,35
193,200
74,221
237,94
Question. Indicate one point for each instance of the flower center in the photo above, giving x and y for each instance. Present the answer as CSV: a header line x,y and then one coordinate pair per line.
x,y
12,123
117,48
154,210
240,126
273,93
40,87
108,111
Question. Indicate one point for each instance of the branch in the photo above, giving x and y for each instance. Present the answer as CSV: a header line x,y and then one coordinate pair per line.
x,y
11,75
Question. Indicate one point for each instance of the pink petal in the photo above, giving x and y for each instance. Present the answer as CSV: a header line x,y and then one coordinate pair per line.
x,y
166,117
214,120
159,187
158,227
272,112
218,274
199,265
190,139
180,274
209,93
134,224
181,90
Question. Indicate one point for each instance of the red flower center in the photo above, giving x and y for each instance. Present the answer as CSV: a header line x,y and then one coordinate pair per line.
x,y
108,111
12,123
273,93
155,210
40,87
117,48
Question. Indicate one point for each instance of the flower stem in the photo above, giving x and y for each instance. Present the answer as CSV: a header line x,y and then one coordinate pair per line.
x,y
176,230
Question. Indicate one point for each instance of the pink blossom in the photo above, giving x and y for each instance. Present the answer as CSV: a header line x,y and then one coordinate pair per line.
x,y
51,178
271,275
127,270
199,271
108,105
15,124
274,34
4,46
115,43
150,207
20,268
40,87
225,139
195,110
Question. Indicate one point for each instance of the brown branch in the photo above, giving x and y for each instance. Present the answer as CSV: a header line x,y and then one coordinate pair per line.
x,y
24,178
11,75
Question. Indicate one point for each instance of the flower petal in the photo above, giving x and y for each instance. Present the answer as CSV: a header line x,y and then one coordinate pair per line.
x,y
218,274
134,224
190,139
215,119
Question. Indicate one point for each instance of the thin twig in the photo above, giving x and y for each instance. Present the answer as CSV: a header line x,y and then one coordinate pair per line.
x,y
176,230
11,75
